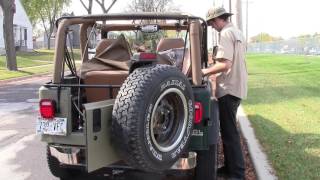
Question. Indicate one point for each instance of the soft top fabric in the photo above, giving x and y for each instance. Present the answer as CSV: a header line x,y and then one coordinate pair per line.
x,y
116,56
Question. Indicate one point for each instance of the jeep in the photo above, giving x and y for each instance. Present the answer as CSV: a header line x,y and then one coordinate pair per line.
x,y
137,100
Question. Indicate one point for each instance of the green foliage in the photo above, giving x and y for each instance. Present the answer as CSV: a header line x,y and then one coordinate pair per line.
x,y
283,107
152,6
5,74
264,37
31,63
47,10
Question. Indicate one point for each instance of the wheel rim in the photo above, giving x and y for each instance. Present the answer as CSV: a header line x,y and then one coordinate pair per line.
x,y
169,120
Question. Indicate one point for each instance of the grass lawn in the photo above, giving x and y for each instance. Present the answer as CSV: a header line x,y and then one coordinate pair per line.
x,y
27,62
283,106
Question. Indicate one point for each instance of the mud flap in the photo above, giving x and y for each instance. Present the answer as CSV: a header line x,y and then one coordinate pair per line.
x,y
213,123
100,152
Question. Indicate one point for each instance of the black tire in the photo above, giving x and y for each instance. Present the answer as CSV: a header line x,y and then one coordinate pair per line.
x,y
60,172
160,95
207,164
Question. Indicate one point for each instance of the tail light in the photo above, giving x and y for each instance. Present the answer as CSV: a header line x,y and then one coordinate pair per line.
x,y
148,56
198,112
47,108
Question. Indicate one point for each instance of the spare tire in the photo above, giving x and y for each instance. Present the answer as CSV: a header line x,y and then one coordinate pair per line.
x,y
153,117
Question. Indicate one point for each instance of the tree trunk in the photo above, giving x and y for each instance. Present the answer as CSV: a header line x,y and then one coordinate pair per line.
x,y
8,12
49,42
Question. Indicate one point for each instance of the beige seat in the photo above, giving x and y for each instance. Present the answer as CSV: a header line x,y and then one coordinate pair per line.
x,y
186,65
103,44
170,43
107,77
103,78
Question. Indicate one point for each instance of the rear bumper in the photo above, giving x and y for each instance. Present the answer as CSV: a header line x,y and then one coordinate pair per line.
x,y
186,163
75,156
69,155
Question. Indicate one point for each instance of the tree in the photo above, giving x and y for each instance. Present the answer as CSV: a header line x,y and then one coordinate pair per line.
x,y
101,3
103,7
8,8
264,37
89,7
151,6
46,12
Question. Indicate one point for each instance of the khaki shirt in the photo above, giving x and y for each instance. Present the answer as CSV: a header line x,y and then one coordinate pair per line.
x,y
232,46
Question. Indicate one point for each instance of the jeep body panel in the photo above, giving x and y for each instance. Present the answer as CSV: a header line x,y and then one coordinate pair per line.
x,y
63,101
100,151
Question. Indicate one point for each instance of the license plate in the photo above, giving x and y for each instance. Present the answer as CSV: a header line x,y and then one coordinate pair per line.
x,y
55,126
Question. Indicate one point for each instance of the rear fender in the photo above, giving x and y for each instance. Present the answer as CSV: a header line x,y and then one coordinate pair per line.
x,y
206,132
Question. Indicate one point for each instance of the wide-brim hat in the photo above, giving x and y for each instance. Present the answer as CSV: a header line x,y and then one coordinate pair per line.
x,y
216,12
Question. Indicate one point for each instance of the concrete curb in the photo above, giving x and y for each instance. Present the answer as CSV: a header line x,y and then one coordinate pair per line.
x,y
259,159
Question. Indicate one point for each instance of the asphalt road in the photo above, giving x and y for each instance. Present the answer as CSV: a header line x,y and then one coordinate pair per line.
x,y
22,154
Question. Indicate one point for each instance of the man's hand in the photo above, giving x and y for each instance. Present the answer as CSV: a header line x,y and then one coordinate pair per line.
x,y
220,66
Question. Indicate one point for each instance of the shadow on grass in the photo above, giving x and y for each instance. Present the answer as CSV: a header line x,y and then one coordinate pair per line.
x,y
293,155
274,94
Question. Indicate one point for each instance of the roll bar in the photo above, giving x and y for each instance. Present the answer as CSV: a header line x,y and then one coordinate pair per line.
x,y
88,21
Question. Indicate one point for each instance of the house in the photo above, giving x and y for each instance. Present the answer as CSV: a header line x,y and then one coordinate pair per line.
x,y
22,29
73,36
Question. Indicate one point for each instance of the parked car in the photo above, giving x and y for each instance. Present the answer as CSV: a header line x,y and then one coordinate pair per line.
x,y
148,109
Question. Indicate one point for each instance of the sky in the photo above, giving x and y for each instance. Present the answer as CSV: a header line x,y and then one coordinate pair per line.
x,y
285,18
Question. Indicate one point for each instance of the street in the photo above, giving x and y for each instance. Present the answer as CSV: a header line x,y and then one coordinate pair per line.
x,y
22,153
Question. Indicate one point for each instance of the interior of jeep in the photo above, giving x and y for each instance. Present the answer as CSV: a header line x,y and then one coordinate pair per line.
x,y
108,49
102,74
170,47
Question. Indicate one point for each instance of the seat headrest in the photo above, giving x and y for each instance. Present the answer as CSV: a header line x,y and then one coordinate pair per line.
x,y
103,44
170,43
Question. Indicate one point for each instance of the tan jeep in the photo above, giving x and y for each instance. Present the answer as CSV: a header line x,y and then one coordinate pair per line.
x,y
137,101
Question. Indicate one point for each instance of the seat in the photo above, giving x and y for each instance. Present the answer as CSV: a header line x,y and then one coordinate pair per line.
x,y
103,44
111,76
100,78
170,43
186,64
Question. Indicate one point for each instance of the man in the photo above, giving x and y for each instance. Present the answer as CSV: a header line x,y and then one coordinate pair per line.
x,y
231,87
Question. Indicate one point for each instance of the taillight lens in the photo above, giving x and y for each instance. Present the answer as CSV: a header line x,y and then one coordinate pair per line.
x,y
147,56
47,108
198,112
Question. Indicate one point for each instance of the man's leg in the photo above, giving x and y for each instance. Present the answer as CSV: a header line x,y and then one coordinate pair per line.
x,y
234,162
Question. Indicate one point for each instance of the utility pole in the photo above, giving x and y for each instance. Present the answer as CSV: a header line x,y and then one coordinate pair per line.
x,y
230,5
214,32
247,18
236,8
238,13
230,8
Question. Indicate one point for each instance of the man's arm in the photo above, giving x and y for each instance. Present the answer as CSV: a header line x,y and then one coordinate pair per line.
x,y
222,65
